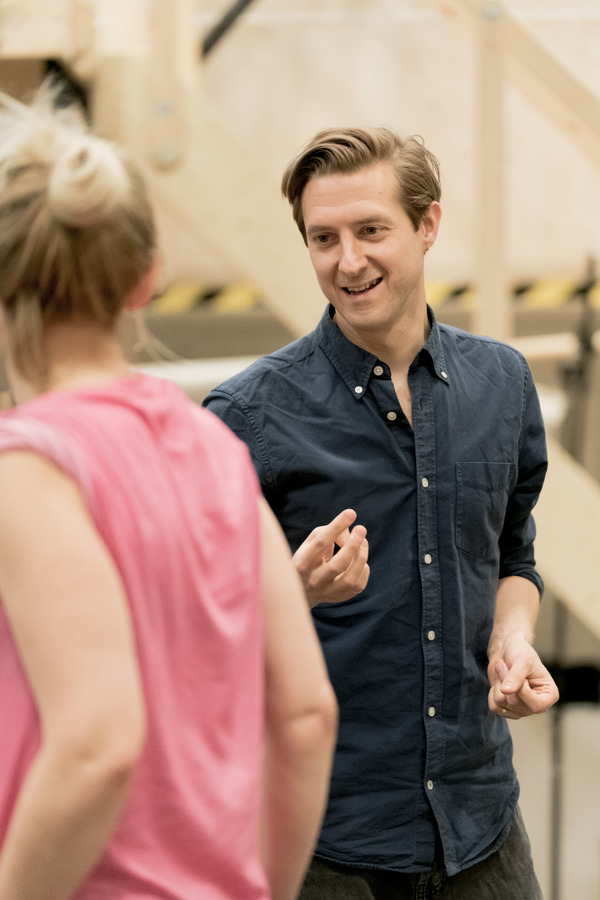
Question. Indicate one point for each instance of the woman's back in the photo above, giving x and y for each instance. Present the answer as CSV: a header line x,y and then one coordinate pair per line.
x,y
166,720
173,495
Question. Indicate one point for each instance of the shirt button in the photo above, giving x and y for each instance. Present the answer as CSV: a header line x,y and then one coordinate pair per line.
x,y
430,785
431,635
431,712
427,558
444,374
378,370
391,416
358,389
425,482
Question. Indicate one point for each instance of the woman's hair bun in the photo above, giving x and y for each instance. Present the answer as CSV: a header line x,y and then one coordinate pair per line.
x,y
87,182
77,228
86,178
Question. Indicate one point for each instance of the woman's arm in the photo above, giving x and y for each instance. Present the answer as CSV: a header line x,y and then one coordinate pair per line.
x,y
70,620
301,720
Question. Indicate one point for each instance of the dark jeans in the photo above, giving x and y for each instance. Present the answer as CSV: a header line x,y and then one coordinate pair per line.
x,y
505,875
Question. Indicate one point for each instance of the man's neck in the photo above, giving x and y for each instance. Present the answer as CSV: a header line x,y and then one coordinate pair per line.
x,y
397,346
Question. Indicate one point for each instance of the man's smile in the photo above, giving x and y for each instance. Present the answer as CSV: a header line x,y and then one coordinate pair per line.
x,y
363,287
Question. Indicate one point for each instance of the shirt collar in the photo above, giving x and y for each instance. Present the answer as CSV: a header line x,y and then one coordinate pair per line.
x,y
435,350
356,365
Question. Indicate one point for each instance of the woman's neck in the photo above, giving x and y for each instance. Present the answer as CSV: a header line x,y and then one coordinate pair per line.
x,y
76,355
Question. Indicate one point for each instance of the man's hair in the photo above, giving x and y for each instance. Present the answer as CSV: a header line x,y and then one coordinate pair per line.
x,y
345,150
76,225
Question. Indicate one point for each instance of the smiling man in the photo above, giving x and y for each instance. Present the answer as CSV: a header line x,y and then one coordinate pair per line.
x,y
432,441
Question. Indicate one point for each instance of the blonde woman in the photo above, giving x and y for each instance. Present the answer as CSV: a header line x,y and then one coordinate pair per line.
x,y
166,721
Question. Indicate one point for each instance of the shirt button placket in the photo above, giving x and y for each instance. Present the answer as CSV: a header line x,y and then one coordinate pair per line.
x,y
424,432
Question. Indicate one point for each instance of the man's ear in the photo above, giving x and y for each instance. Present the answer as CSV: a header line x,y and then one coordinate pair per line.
x,y
144,290
430,223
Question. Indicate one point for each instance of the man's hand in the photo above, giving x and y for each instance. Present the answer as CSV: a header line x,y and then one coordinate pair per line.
x,y
330,577
521,685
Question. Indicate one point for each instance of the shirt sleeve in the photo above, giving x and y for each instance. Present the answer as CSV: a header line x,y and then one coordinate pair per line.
x,y
238,415
518,534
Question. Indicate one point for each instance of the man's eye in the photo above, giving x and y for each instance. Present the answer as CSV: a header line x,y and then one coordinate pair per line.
x,y
321,238
371,229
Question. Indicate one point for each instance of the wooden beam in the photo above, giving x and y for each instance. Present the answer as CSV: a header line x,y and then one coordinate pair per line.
x,y
202,178
115,43
539,73
222,187
558,348
146,68
493,308
36,29
171,76
580,105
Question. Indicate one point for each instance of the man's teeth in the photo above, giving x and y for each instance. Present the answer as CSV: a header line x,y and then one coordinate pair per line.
x,y
364,288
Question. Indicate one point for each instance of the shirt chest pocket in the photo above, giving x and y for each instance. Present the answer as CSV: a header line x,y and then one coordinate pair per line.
x,y
482,494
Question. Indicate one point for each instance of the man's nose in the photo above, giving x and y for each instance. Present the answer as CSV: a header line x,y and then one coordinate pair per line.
x,y
352,256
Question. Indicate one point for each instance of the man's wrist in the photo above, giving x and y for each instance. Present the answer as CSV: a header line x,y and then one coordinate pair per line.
x,y
500,640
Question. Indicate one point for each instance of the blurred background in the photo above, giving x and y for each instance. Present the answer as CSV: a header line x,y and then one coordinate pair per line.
x,y
214,97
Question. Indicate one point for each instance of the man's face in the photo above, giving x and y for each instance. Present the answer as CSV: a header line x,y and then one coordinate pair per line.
x,y
366,254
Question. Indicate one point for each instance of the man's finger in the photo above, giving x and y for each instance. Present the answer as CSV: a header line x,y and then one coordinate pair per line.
x,y
324,537
352,554
514,678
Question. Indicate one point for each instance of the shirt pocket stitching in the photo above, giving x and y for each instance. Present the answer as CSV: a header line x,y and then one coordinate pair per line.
x,y
482,494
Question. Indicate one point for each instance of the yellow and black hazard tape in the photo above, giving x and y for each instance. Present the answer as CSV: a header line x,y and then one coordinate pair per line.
x,y
545,293
184,296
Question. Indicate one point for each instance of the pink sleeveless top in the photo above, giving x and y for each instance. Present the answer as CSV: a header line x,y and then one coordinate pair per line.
x,y
173,494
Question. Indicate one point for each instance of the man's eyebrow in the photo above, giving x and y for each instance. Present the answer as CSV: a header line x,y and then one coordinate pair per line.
x,y
366,220
313,229
372,220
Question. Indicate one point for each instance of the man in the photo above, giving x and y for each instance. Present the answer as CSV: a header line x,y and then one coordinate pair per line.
x,y
432,439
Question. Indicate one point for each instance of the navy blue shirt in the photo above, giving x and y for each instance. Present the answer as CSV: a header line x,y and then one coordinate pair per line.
x,y
447,506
